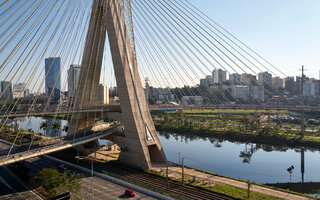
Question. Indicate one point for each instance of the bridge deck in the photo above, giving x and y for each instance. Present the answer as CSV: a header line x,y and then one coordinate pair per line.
x,y
117,108
22,153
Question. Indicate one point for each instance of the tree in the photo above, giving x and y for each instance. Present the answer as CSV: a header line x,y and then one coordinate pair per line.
x,y
55,183
55,126
65,128
44,125
71,183
245,122
50,179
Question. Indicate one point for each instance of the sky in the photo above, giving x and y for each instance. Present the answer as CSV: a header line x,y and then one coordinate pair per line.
x,y
285,32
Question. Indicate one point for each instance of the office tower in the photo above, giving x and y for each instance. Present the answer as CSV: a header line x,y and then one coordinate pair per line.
x,y
52,81
265,78
6,89
18,90
73,78
219,76
103,94
235,78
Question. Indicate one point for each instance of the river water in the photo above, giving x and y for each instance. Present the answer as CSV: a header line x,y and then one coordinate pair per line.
x,y
255,162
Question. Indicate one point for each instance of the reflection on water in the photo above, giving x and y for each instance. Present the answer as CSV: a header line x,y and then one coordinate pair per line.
x,y
34,123
257,162
260,163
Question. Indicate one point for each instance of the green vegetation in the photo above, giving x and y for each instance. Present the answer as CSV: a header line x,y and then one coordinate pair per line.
x,y
241,125
231,111
55,183
239,193
44,125
9,134
55,126
222,189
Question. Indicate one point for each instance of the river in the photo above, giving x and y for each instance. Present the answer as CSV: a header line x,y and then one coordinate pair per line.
x,y
255,162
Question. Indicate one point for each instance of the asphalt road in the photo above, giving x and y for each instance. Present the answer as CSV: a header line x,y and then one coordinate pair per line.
x,y
4,144
12,188
102,189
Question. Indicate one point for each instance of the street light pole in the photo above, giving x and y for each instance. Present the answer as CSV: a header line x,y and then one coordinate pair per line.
x,y
182,171
290,172
167,175
91,158
92,177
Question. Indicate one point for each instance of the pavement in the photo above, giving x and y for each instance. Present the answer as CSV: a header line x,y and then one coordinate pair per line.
x,y
103,189
108,191
138,190
12,188
175,171
4,144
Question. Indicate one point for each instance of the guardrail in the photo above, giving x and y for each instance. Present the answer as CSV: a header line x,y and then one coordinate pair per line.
x,y
60,145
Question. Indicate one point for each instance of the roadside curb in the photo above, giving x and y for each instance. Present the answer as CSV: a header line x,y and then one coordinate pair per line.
x,y
113,180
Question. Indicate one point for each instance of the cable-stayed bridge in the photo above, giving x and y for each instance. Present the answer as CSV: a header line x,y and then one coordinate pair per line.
x,y
22,152
110,108
171,42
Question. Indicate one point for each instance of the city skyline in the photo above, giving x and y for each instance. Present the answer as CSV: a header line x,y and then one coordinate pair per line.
x,y
243,23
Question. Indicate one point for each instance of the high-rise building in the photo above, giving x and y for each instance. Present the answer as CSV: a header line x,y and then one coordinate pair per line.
x,y
235,78
257,92
18,90
265,78
298,84
248,79
52,73
219,76
209,80
103,94
277,82
26,92
240,91
73,78
6,89
203,81
289,84
311,88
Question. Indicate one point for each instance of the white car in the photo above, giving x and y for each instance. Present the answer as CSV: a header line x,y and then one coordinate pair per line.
x,y
63,167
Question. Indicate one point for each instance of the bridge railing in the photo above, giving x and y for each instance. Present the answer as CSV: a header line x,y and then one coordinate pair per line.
x,y
59,144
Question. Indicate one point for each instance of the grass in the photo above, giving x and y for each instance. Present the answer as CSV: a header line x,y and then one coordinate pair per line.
x,y
233,111
239,193
253,183
227,190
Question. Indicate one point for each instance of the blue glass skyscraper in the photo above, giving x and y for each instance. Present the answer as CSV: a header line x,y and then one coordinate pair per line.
x,y
52,73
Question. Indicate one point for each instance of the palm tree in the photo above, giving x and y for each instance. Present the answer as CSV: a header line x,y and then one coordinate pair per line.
x,y
44,125
55,126
65,128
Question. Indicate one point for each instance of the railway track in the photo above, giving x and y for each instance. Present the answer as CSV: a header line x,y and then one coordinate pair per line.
x,y
160,183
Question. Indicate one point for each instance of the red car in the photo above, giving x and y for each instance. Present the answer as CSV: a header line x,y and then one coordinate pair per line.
x,y
130,193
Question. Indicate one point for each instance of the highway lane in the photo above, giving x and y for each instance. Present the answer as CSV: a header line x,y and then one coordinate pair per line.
x,y
102,189
69,139
4,144
12,188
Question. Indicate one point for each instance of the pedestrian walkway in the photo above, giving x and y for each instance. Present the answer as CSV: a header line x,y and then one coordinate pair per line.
x,y
176,172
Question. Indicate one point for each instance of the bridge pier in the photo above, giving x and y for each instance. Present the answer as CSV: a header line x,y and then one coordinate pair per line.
x,y
140,144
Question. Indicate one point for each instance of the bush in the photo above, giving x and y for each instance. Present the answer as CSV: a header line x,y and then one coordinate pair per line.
x,y
55,183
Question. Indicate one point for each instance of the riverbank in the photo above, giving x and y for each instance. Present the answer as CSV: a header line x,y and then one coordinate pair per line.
x,y
207,181
224,185
234,135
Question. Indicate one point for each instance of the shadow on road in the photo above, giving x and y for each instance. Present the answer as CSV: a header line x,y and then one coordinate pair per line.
x,y
123,196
